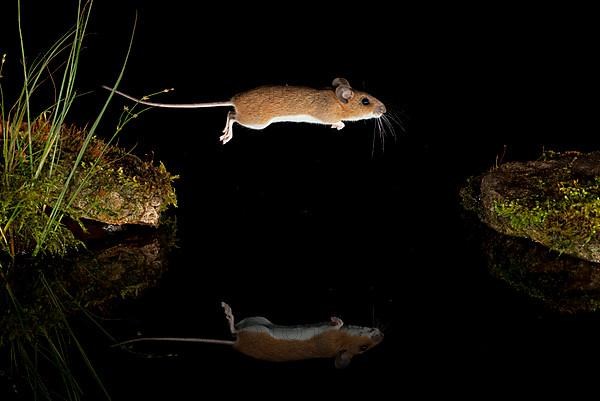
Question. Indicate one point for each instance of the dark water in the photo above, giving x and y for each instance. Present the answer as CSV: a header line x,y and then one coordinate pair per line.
x,y
299,222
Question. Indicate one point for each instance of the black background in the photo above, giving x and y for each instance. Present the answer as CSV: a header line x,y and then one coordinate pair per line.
x,y
299,222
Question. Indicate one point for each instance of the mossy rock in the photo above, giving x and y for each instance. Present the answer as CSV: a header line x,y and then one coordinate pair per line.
x,y
109,185
121,188
554,201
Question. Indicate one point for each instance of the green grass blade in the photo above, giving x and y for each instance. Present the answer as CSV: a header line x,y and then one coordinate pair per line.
x,y
58,206
56,302
26,82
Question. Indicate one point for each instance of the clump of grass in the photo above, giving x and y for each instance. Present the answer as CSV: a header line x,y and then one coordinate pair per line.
x,y
38,339
36,190
39,186
123,189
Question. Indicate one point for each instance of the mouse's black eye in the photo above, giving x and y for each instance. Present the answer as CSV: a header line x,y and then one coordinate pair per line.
x,y
363,348
365,101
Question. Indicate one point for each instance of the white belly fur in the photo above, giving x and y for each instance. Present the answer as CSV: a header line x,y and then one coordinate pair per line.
x,y
303,332
297,118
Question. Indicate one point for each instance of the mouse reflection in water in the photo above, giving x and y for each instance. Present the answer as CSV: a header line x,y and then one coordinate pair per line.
x,y
259,338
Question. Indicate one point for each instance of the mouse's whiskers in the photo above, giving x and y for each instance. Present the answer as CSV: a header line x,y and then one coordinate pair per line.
x,y
381,133
385,125
383,327
373,144
390,126
394,116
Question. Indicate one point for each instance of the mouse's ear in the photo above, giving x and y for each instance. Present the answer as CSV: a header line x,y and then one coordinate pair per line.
x,y
342,359
344,93
340,81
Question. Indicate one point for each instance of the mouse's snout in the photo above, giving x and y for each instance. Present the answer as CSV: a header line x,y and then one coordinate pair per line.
x,y
377,336
381,109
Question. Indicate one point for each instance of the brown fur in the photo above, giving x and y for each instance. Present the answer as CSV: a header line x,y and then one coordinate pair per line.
x,y
258,106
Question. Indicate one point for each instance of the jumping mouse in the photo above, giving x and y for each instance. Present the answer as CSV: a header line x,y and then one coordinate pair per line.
x,y
259,338
259,107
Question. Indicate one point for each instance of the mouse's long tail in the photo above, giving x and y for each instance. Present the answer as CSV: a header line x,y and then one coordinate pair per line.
x,y
189,340
170,105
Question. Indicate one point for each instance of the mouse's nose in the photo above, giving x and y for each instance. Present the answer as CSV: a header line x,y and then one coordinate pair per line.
x,y
377,336
381,108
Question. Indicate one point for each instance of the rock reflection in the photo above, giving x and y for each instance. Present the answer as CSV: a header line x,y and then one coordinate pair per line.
x,y
564,283
39,297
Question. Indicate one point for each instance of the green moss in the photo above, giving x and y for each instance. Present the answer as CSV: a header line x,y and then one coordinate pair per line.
x,y
521,217
564,215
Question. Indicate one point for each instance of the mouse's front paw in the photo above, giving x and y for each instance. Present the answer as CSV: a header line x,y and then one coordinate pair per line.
x,y
339,125
336,322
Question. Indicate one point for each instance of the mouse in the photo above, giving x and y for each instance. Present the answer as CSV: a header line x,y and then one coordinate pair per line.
x,y
260,107
258,338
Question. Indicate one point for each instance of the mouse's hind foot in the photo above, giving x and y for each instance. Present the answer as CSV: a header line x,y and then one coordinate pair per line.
x,y
228,130
227,136
229,317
